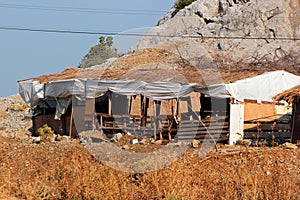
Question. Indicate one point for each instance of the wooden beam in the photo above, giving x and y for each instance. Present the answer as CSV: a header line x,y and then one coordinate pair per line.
x,y
146,105
296,121
179,111
109,103
71,121
130,105
157,113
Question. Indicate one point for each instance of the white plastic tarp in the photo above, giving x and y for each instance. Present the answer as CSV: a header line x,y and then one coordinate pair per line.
x,y
218,90
263,87
61,106
123,87
31,92
95,88
166,90
64,88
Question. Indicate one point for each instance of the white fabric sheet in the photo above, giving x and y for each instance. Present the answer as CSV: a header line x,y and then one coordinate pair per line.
x,y
261,88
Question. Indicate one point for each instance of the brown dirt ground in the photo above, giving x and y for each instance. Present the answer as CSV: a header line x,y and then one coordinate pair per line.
x,y
66,170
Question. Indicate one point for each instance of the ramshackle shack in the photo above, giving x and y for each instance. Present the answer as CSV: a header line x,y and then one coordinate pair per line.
x,y
147,105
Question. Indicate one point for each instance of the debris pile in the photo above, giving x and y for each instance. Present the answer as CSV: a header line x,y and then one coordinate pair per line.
x,y
15,117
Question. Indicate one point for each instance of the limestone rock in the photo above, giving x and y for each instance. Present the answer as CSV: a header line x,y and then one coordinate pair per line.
x,y
195,144
247,30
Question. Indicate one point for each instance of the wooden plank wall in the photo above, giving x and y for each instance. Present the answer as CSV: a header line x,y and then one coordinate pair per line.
x,y
263,121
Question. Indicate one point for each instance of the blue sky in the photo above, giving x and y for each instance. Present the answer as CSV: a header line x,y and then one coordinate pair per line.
x,y
26,54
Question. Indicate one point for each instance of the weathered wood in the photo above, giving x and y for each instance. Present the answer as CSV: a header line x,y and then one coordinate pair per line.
x,y
278,118
89,113
267,127
264,135
144,117
130,105
216,132
202,129
71,122
40,120
204,138
109,103
296,121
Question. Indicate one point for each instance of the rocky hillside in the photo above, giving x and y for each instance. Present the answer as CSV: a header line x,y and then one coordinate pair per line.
x,y
245,31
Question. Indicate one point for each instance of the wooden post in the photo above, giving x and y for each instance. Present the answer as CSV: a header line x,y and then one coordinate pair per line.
x,y
101,121
142,110
179,111
130,105
160,129
71,122
157,113
155,120
109,103
202,110
146,105
296,121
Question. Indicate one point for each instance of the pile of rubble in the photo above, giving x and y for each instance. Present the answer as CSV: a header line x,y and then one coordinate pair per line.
x,y
15,117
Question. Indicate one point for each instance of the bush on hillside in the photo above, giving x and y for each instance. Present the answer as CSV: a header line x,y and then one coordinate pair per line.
x,y
99,53
180,4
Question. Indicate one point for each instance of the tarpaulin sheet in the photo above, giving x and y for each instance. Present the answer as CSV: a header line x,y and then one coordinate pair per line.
x,y
31,92
218,90
95,88
263,87
166,90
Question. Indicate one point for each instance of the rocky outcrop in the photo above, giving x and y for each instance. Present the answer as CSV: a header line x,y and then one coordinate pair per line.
x,y
244,30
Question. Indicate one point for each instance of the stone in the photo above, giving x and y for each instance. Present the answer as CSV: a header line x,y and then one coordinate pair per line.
x,y
195,144
58,138
66,138
152,141
158,142
143,141
117,137
134,141
288,145
175,144
125,147
36,140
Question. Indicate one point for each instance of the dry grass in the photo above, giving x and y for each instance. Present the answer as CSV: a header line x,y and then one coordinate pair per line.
x,y
289,95
68,171
154,64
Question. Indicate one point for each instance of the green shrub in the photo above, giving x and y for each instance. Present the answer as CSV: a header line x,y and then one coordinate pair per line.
x,y
99,53
46,133
180,4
